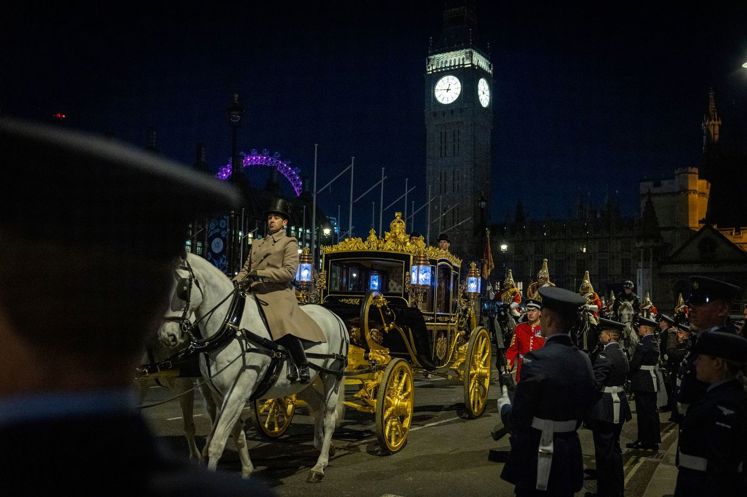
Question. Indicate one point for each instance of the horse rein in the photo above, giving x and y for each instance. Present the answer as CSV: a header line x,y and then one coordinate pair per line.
x,y
185,325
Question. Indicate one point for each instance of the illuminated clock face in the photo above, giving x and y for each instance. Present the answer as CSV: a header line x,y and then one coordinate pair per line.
x,y
483,92
447,89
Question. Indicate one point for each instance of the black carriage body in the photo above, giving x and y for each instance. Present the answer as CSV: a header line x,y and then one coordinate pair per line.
x,y
426,329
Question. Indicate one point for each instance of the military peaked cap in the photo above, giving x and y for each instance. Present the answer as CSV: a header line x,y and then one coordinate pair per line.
x,y
565,302
640,320
722,344
609,324
703,290
665,317
534,304
683,327
75,189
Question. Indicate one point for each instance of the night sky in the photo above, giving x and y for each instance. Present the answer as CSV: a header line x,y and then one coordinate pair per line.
x,y
589,98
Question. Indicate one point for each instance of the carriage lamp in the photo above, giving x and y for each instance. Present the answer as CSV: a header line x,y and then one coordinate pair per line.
x,y
305,275
420,277
420,271
473,281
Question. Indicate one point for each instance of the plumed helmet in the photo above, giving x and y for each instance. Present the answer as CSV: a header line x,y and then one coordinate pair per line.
x,y
544,272
586,284
509,281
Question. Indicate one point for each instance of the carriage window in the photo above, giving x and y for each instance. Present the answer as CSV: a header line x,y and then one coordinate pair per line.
x,y
360,276
443,289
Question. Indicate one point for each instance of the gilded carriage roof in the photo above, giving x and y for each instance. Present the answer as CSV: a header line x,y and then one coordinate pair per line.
x,y
396,240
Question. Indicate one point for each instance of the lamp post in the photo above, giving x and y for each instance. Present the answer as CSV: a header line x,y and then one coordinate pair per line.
x,y
504,250
235,115
482,204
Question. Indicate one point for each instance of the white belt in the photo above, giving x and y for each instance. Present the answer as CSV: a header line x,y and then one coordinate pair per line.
x,y
697,463
652,369
548,427
615,401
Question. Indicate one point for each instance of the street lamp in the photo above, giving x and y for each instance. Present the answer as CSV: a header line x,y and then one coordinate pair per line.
x,y
235,114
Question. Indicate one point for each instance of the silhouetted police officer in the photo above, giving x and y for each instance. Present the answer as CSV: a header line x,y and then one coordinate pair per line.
x,y
554,394
608,414
644,384
712,455
90,232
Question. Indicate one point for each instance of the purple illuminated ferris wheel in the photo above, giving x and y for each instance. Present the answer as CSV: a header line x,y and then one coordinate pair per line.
x,y
264,159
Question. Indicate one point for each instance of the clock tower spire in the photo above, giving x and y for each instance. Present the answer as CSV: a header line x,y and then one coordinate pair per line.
x,y
459,123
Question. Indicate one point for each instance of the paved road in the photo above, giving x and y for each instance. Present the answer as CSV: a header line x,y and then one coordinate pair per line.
x,y
445,455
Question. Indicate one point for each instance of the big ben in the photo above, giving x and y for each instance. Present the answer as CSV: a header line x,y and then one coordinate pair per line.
x,y
458,123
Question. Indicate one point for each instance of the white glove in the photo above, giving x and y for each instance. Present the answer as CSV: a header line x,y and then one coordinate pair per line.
x,y
591,307
503,400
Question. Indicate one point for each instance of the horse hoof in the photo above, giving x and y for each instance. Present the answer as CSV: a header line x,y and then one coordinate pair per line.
x,y
314,477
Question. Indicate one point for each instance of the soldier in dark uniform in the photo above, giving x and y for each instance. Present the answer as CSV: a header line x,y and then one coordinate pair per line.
x,y
610,411
667,337
709,301
712,455
677,345
627,295
555,393
644,384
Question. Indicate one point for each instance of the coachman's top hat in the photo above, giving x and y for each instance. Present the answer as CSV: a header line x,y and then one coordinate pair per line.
x,y
280,207
444,237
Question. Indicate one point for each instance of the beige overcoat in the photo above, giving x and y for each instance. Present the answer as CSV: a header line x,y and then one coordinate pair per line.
x,y
273,260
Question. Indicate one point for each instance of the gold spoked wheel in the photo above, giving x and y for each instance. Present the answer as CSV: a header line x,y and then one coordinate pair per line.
x,y
273,416
477,372
395,402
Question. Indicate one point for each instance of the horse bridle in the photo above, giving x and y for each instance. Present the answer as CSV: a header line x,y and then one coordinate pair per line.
x,y
184,292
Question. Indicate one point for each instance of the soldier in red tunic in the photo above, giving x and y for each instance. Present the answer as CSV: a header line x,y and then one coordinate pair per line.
x,y
510,295
527,337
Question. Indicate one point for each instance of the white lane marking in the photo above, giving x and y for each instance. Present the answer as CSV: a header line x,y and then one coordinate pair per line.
x,y
633,471
435,423
179,417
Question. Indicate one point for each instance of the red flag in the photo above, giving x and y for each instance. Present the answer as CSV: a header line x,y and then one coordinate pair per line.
x,y
487,256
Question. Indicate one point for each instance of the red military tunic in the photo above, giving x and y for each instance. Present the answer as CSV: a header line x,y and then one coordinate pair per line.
x,y
594,299
526,339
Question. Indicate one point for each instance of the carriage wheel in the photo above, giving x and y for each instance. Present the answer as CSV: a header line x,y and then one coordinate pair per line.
x,y
371,319
273,417
477,373
395,402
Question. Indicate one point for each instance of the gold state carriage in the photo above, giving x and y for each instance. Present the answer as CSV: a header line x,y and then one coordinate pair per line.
x,y
407,310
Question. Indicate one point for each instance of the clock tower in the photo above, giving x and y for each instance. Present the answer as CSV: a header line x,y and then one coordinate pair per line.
x,y
458,124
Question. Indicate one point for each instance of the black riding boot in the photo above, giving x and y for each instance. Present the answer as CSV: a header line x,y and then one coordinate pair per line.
x,y
295,348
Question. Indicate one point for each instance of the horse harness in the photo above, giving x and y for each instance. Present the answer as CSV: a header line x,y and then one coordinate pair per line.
x,y
230,330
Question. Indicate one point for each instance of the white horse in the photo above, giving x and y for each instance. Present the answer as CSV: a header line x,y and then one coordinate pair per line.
x,y
626,314
237,363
